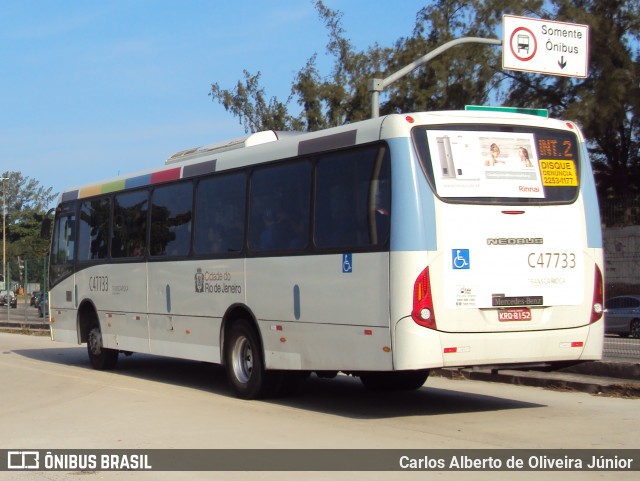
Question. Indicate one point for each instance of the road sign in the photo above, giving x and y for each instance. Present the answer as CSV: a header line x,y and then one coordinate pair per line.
x,y
544,46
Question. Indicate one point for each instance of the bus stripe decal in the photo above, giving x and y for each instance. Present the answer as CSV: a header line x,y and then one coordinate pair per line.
x,y
138,181
113,186
199,169
165,175
327,142
90,190
71,195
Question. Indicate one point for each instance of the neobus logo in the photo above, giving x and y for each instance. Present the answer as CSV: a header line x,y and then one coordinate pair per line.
x,y
514,241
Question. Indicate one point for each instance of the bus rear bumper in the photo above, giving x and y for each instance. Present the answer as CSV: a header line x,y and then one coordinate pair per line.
x,y
416,347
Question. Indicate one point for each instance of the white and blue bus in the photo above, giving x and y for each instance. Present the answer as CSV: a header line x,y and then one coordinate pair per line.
x,y
380,249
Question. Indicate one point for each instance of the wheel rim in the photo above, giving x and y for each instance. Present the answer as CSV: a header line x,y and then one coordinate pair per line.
x,y
95,342
635,329
242,360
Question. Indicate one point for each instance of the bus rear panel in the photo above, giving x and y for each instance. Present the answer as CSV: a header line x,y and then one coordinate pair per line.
x,y
502,263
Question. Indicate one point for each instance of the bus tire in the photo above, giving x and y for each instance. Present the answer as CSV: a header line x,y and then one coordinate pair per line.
x,y
394,380
101,358
244,363
635,329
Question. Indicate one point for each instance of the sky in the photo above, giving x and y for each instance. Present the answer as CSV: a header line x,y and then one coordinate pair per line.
x,y
90,90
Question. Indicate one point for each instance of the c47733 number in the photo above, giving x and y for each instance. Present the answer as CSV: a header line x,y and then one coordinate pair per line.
x,y
552,260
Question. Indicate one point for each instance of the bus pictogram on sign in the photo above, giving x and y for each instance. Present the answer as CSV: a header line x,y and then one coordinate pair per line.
x,y
523,44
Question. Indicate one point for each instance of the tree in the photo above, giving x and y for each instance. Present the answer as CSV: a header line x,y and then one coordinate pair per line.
x,y
341,97
247,102
461,76
25,202
606,104
457,77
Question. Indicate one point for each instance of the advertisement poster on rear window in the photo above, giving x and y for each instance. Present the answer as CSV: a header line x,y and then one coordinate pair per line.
x,y
485,164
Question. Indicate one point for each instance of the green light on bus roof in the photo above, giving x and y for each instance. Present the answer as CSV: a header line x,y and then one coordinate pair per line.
x,y
512,110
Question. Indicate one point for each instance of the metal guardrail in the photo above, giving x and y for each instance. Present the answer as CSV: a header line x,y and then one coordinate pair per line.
x,y
620,347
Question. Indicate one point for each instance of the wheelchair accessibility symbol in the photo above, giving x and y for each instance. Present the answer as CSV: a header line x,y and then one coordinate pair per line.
x,y
460,259
347,263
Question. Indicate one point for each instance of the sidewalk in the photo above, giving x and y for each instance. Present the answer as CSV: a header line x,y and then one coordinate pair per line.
x,y
610,377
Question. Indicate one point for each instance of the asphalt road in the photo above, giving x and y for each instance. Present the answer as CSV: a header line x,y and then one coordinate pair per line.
x,y
52,400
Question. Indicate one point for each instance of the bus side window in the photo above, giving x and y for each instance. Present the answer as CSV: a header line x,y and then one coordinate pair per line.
x,y
279,207
93,230
380,201
219,214
129,224
63,244
353,199
381,220
171,220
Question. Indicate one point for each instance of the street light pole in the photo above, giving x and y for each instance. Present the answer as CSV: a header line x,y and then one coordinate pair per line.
x,y
4,235
376,85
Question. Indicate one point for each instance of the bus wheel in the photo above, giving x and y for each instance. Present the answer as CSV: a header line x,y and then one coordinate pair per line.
x,y
244,364
101,357
635,329
394,380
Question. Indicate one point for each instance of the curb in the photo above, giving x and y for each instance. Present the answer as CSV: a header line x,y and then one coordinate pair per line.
x,y
29,327
621,385
620,369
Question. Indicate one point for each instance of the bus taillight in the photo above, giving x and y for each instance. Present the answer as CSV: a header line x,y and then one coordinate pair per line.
x,y
422,312
597,306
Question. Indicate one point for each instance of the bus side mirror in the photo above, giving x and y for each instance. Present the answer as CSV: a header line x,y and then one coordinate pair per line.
x,y
45,229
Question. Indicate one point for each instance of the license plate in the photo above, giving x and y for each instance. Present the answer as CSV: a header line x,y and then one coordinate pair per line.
x,y
514,314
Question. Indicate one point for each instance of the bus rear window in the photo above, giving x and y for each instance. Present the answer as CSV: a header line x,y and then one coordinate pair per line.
x,y
499,164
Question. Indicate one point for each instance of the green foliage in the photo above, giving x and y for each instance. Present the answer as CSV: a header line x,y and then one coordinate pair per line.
x,y
26,202
606,104
247,102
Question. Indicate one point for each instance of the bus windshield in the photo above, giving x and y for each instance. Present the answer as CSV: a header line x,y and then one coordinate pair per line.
x,y
499,164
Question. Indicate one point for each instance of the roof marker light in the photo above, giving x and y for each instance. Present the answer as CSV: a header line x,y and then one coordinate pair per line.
x,y
510,110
